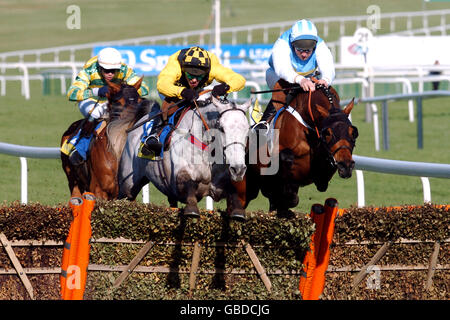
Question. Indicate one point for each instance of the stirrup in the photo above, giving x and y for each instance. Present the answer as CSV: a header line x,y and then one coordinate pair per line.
x,y
152,143
75,158
262,125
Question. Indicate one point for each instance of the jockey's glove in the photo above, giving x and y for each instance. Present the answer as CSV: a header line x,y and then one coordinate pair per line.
x,y
189,94
103,91
220,90
99,110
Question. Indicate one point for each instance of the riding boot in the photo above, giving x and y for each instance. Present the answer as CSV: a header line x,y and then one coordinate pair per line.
x,y
86,130
268,113
152,143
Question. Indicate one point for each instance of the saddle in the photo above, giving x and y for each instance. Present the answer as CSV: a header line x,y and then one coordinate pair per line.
x,y
82,144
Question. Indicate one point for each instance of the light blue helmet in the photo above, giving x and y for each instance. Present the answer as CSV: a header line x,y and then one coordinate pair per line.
x,y
303,30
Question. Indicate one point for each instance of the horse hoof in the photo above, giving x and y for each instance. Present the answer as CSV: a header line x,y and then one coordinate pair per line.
x,y
289,214
238,215
191,212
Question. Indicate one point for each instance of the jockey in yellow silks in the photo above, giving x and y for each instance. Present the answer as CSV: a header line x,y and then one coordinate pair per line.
x,y
296,56
187,72
90,89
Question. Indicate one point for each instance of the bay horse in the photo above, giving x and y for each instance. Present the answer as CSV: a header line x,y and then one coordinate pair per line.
x,y
311,139
98,174
205,152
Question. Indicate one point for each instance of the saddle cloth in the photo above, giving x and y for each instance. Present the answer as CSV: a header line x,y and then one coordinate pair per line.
x,y
271,134
82,144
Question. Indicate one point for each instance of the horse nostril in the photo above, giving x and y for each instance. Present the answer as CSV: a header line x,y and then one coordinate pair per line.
x,y
238,170
341,165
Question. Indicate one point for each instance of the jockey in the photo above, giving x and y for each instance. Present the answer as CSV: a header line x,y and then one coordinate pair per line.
x,y
90,90
298,54
187,72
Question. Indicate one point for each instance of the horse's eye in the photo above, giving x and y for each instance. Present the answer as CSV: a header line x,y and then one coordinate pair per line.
x,y
327,134
353,132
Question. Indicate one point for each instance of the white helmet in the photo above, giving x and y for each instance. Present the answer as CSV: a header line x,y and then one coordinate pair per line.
x,y
109,58
303,30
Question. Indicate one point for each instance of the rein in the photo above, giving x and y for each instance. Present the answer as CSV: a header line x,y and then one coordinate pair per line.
x,y
234,142
311,114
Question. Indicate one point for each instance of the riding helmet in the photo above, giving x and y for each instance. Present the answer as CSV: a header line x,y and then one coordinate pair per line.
x,y
304,34
109,58
196,61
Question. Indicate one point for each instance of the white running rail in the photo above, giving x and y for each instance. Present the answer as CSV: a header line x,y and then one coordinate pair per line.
x,y
421,169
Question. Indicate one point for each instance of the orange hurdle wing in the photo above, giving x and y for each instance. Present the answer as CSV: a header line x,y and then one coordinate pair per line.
x,y
84,243
68,279
323,257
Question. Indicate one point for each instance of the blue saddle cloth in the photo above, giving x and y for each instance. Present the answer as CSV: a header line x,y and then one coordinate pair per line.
x,y
82,144
165,133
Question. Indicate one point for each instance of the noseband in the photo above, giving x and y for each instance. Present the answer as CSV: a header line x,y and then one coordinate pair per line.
x,y
219,126
335,116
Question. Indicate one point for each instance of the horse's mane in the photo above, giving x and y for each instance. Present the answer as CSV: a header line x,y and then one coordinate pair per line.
x,y
122,118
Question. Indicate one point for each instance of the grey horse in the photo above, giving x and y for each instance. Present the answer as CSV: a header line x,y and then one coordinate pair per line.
x,y
197,161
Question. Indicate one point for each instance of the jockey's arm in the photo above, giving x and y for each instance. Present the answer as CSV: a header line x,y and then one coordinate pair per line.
x,y
225,75
131,78
80,90
168,76
281,60
325,62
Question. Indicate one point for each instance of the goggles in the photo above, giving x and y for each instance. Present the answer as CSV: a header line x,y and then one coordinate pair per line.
x,y
110,70
303,50
193,76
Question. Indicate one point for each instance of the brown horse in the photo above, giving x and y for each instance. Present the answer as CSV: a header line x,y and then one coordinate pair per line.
x,y
315,139
99,173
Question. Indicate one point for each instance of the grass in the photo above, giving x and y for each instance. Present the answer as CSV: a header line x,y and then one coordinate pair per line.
x,y
41,120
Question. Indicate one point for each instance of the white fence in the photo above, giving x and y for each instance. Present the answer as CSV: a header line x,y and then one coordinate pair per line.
x,y
420,169
347,26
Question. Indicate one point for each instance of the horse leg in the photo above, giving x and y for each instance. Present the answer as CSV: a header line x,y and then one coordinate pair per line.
x,y
247,189
173,202
191,209
236,199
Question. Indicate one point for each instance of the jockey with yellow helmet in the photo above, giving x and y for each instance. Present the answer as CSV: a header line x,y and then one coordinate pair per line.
x,y
187,72
297,55
90,90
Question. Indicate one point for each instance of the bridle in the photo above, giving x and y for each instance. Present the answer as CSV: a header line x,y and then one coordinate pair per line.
x,y
130,99
219,126
333,118
336,115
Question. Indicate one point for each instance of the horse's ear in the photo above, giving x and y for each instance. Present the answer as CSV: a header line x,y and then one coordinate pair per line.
x,y
137,85
244,107
349,107
114,88
323,112
221,106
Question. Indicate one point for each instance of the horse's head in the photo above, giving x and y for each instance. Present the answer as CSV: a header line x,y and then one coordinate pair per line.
x,y
233,122
339,136
122,95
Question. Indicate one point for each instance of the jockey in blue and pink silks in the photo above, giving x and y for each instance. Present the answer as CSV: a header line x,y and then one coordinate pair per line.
x,y
298,54
89,89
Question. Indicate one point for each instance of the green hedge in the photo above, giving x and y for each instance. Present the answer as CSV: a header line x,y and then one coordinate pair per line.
x,y
279,244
